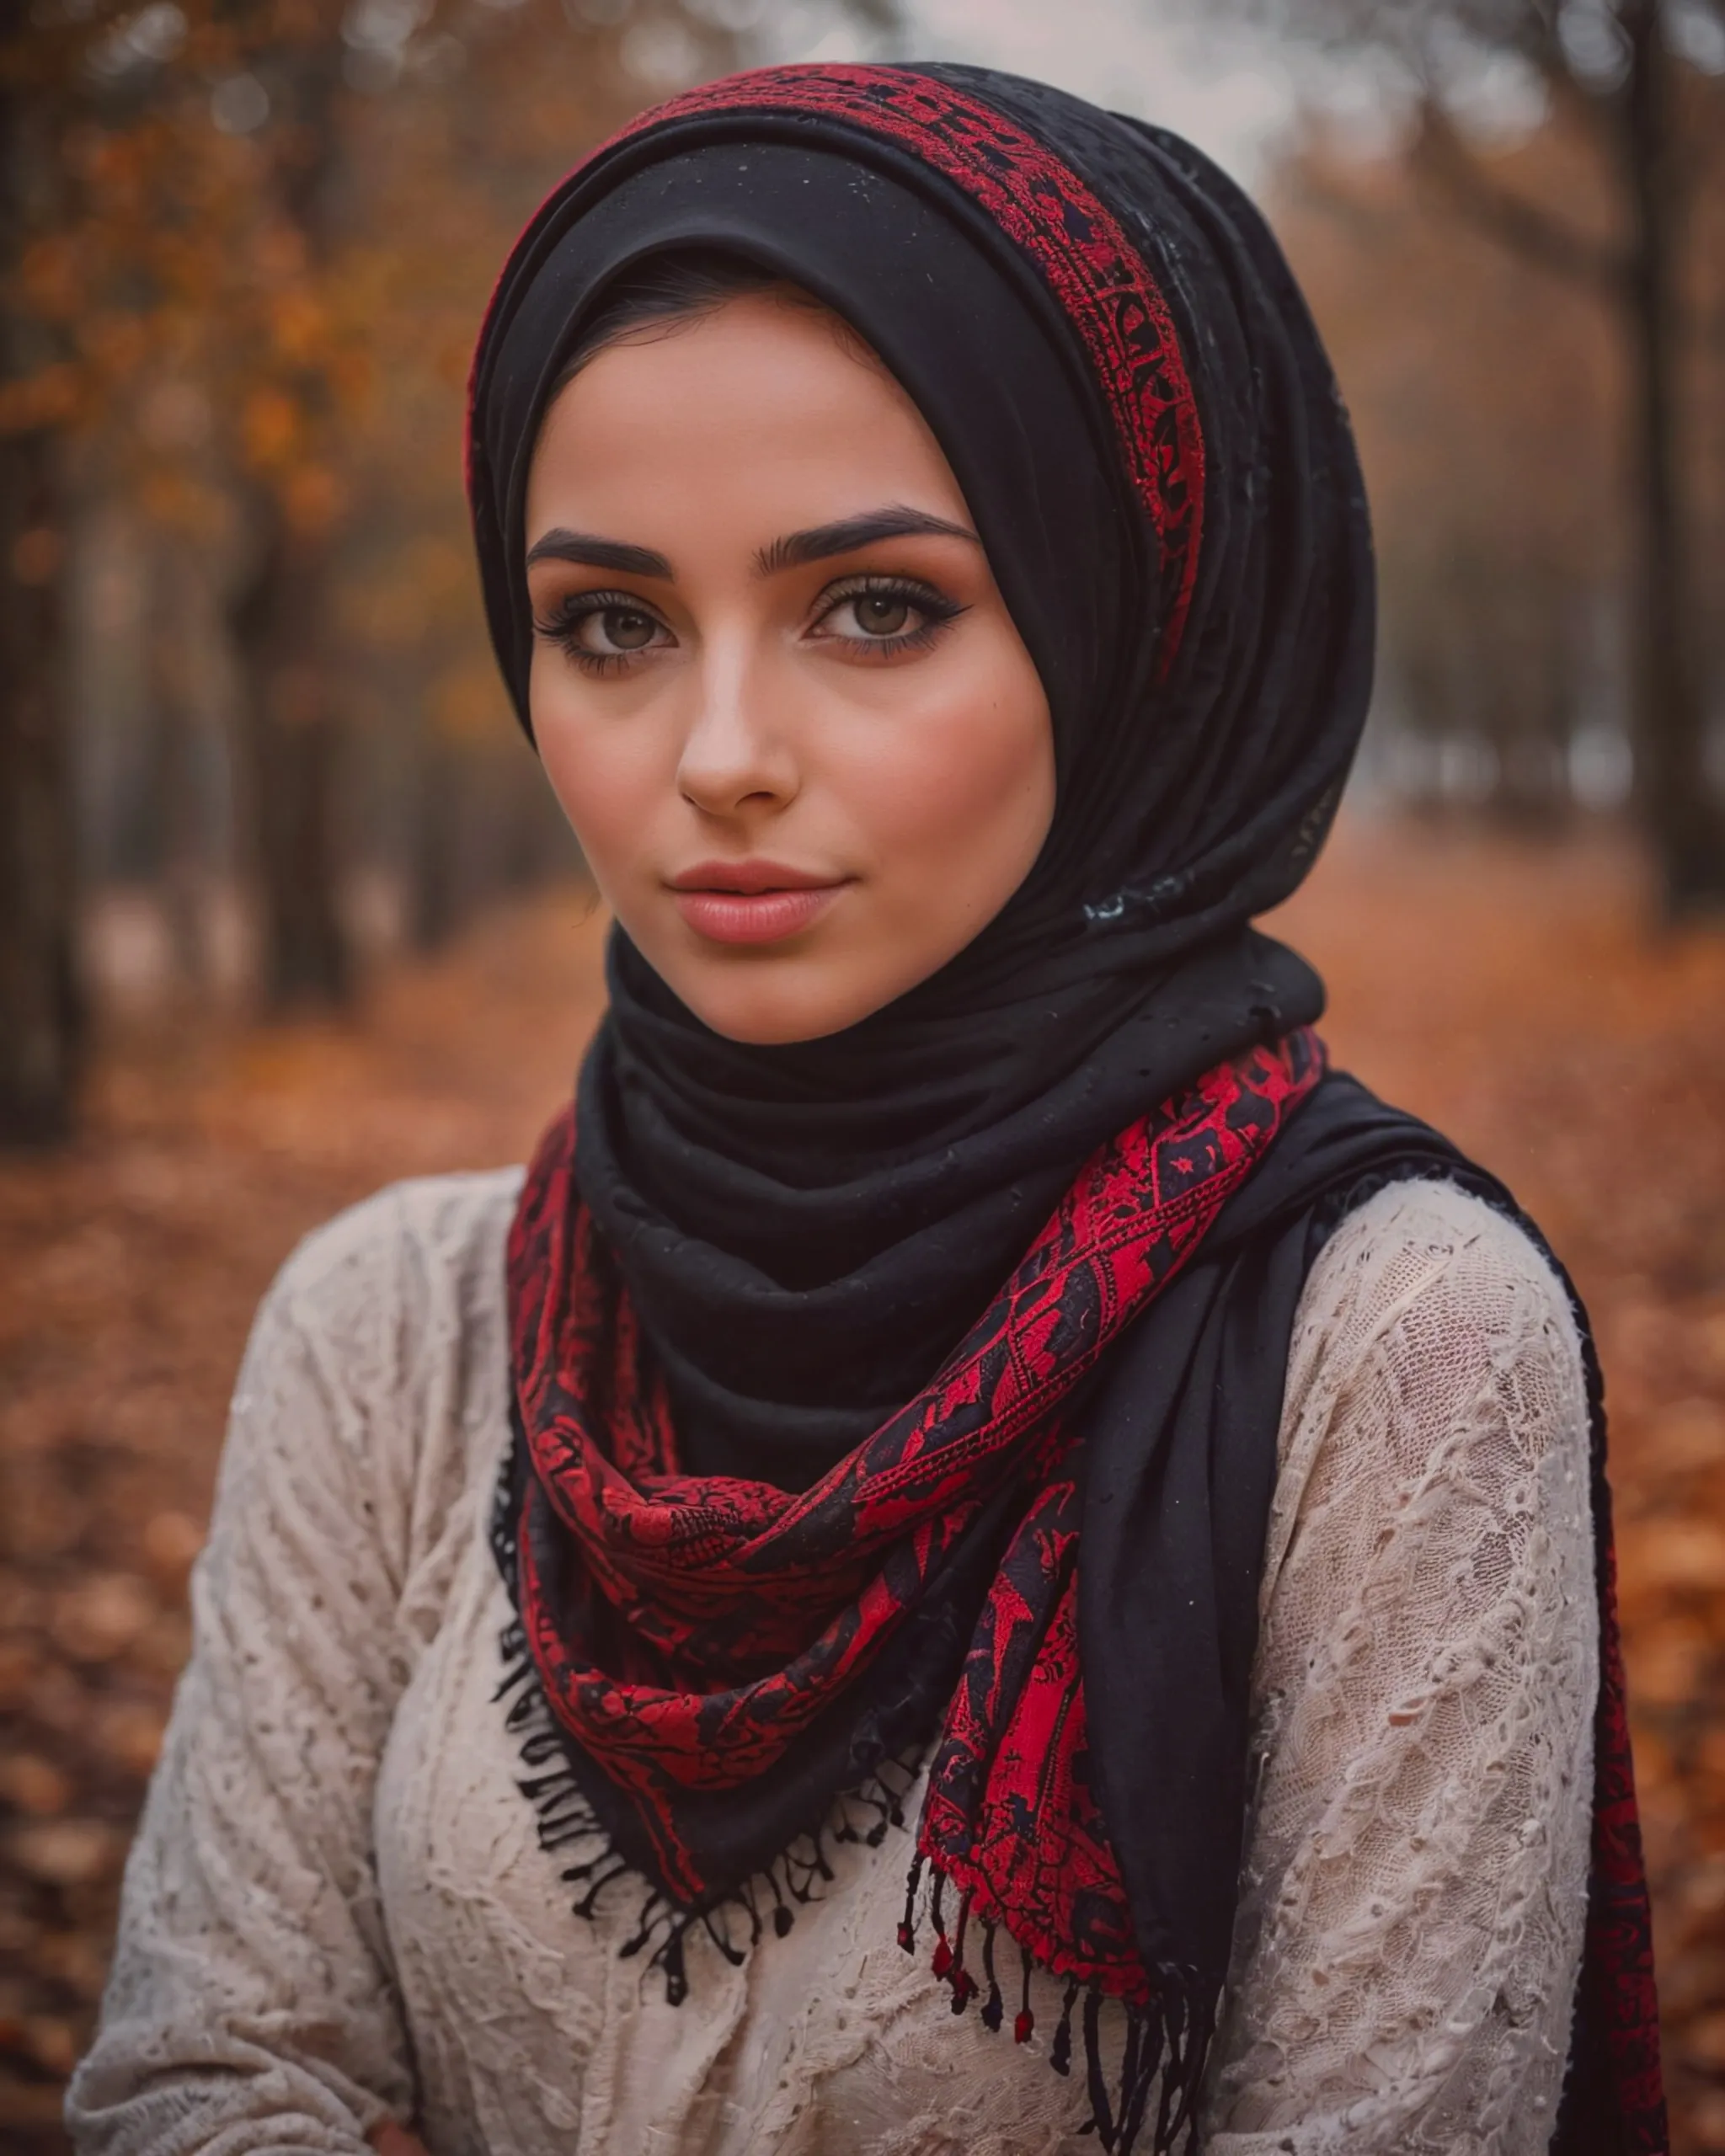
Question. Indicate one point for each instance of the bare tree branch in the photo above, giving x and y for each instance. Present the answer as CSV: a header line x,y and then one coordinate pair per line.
x,y
1634,95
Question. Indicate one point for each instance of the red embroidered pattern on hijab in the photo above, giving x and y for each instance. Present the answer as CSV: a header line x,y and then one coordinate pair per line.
x,y
712,1618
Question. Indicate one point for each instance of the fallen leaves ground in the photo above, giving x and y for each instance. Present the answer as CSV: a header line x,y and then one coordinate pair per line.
x,y
1508,990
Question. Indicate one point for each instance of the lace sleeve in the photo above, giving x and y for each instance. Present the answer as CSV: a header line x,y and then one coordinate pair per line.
x,y
1411,1920
250,2004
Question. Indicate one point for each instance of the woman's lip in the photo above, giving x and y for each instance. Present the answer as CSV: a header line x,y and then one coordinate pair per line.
x,y
755,916
751,877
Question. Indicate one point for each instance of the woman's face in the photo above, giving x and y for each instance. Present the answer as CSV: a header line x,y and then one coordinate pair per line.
x,y
780,700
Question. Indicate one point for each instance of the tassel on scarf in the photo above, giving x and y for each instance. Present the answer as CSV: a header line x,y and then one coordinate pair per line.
x,y
1167,2041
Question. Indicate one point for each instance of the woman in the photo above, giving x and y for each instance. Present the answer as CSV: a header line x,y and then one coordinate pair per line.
x,y
971,1442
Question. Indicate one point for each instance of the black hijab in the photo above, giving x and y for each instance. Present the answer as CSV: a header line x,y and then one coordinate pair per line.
x,y
1128,389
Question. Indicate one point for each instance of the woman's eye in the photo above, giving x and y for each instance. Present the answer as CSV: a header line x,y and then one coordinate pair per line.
x,y
608,630
892,618
881,614
601,631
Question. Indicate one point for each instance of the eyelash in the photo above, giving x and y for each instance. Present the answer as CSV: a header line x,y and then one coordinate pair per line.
x,y
936,608
562,626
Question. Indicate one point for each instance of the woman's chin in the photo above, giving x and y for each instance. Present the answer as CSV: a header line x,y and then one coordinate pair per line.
x,y
773,1002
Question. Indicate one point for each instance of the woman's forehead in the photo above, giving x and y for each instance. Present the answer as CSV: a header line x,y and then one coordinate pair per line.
x,y
755,401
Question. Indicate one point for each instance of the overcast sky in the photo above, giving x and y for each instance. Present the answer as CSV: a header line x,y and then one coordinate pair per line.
x,y
1236,94
1232,95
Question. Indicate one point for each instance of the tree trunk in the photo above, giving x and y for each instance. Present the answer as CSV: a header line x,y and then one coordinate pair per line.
x,y
433,898
177,779
282,621
292,736
41,1028
1684,819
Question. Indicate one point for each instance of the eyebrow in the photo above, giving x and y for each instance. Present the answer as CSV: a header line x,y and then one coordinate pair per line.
x,y
795,550
562,544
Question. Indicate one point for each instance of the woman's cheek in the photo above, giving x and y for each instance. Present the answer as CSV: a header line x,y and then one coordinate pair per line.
x,y
607,789
964,794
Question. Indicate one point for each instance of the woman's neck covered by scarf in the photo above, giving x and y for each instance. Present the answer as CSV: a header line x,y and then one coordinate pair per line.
x,y
1104,337
807,1235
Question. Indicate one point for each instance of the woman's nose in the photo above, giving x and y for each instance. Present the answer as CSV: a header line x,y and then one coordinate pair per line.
x,y
735,755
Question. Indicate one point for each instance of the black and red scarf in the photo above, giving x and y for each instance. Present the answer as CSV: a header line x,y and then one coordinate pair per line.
x,y
686,1642
685,1631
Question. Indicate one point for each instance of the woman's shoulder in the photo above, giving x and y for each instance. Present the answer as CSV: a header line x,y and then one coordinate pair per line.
x,y
403,1245
378,1360
1435,1350
1421,1269
399,1301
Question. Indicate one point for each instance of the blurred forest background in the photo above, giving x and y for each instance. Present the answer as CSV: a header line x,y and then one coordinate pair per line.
x,y
285,909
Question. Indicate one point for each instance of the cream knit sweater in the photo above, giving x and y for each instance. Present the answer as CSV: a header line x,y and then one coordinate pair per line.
x,y
337,1907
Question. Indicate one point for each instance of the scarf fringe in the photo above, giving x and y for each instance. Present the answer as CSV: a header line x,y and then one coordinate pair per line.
x,y
1171,2035
1169,2038
733,1921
